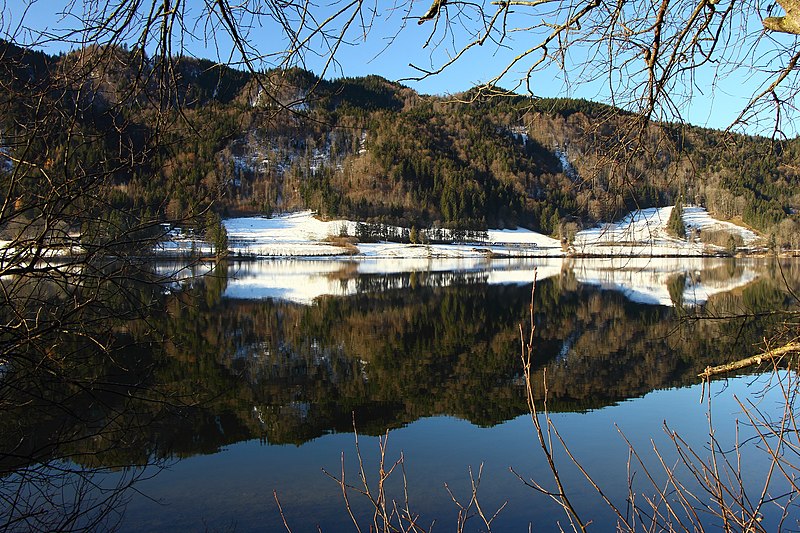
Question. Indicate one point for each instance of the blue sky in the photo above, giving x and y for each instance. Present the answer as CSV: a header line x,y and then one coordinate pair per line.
x,y
716,99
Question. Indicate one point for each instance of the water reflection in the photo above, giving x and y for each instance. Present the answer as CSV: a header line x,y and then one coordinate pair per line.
x,y
394,347
644,280
79,404
283,352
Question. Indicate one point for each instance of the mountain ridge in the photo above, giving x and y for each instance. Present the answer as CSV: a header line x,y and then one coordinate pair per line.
x,y
375,150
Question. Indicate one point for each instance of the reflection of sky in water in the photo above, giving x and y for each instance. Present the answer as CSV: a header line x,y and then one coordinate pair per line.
x,y
644,280
233,489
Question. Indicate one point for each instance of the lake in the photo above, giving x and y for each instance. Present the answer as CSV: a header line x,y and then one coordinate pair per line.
x,y
247,384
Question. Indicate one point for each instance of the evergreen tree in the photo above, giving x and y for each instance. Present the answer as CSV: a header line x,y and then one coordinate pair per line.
x,y
675,225
216,234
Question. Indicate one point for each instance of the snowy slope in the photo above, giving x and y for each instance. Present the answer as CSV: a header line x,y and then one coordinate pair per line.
x,y
295,234
301,234
697,217
642,233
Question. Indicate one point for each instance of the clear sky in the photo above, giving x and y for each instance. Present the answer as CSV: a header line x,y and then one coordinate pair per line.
x,y
395,40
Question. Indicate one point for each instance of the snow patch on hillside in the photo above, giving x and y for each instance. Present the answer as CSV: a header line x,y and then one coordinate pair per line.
x,y
644,233
295,234
302,234
640,234
519,133
566,167
697,217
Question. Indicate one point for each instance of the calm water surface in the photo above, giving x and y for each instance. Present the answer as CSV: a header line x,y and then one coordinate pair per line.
x,y
270,363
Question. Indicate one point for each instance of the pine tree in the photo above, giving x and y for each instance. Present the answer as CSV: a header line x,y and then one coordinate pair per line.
x,y
413,235
216,234
675,225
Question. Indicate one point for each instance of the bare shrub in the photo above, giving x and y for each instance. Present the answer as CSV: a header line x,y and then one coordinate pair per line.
x,y
394,513
677,486
705,488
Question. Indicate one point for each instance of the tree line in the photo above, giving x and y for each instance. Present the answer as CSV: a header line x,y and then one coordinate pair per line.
x,y
376,151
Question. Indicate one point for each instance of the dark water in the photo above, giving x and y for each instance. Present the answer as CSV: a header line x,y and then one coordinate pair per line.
x,y
267,366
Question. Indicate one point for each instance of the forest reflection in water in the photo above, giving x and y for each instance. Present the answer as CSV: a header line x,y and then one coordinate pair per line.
x,y
264,354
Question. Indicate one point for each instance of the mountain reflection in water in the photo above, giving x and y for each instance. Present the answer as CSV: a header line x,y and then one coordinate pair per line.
x,y
283,352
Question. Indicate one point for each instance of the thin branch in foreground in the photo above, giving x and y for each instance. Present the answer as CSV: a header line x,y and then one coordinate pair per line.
x,y
792,347
545,442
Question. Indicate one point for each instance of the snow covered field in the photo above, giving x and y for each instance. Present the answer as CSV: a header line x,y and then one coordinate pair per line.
x,y
644,233
301,234
640,234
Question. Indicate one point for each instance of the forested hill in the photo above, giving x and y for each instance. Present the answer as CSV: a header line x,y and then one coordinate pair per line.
x,y
374,150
